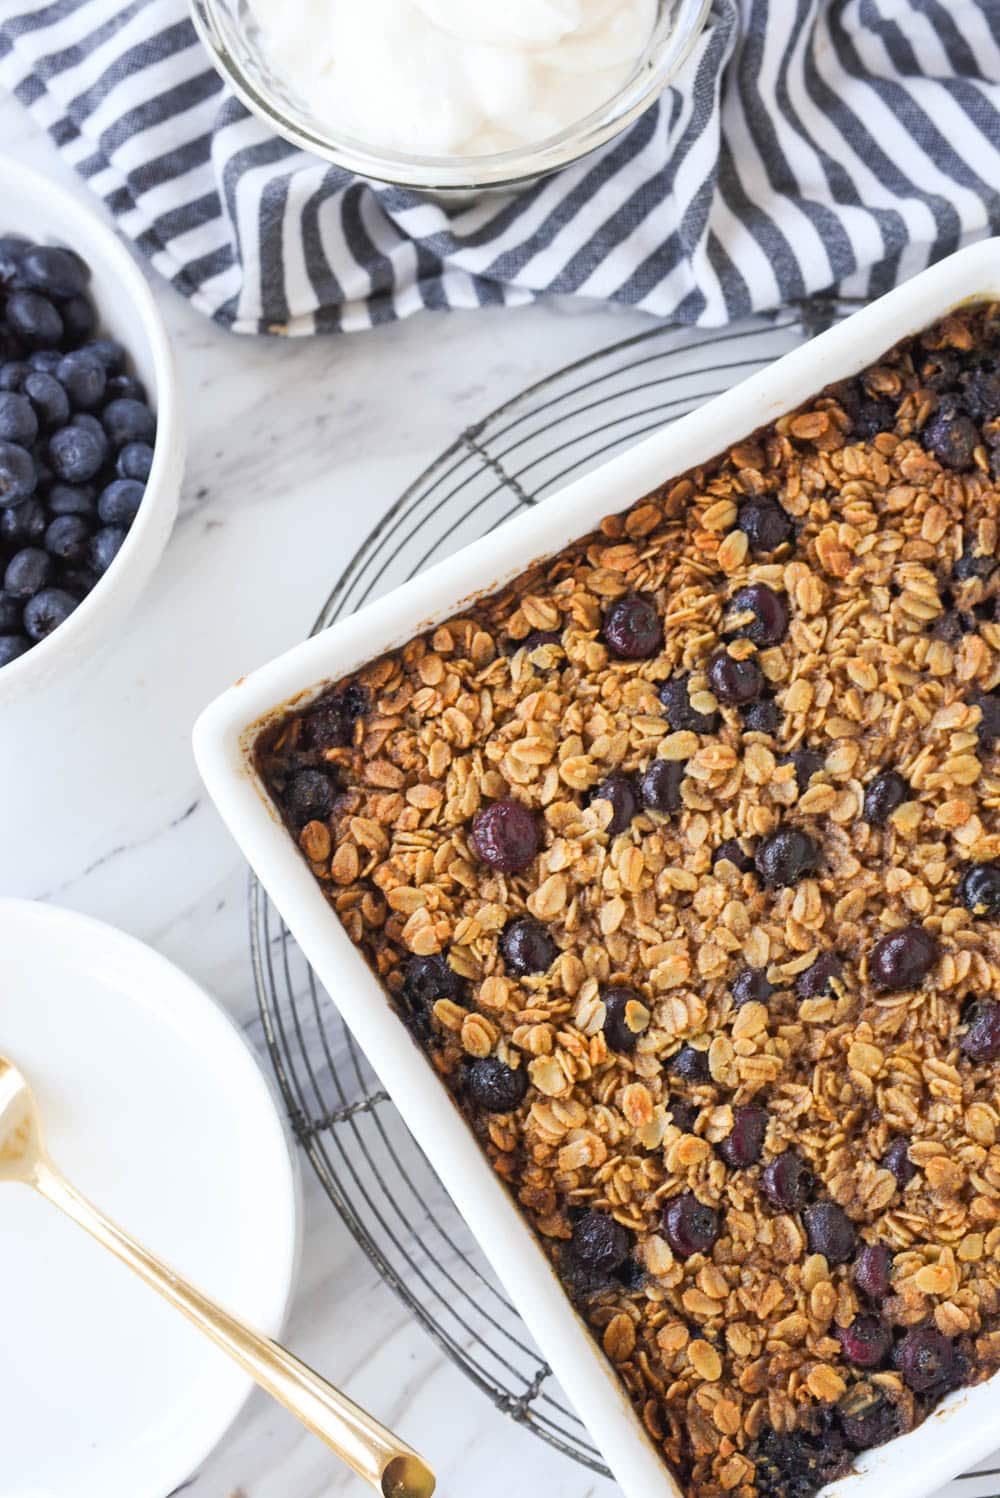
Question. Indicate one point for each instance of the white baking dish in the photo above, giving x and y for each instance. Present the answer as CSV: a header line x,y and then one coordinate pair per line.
x,y
968,1427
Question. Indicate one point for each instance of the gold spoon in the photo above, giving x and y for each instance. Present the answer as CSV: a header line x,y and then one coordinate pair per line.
x,y
370,1450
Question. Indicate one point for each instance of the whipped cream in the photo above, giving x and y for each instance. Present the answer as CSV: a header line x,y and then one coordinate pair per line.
x,y
454,77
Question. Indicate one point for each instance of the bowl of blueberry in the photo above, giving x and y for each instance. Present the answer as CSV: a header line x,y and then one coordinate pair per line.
x,y
91,448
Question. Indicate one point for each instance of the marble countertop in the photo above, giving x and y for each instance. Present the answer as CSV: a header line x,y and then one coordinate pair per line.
x,y
296,447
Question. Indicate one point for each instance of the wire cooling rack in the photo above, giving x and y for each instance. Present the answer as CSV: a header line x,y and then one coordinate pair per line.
x,y
372,1170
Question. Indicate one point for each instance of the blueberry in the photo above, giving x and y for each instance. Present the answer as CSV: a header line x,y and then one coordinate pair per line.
x,y
506,835
873,417
47,610
18,474
676,699
733,851
972,562
897,1160
47,396
330,724
768,624
981,393
989,723
873,1272
11,610
427,979
660,786
785,856
310,796
76,454
83,377
494,1086
23,524
527,947
690,1227
619,790
110,352
11,348
690,1064
599,1247
866,1342
13,375
134,461
867,1417
825,975
79,320
126,387
632,628
903,958
978,890
626,1017
763,716
71,499
18,422
119,502
743,1145
12,646
50,269
787,1182
34,319
797,1463
128,421
45,360
750,986
950,436
807,763
954,625
735,683
79,580
981,1041
830,1231
536,639
926,1359
684,1115
882,796
764,523
104,546
67,538
12,248
27,571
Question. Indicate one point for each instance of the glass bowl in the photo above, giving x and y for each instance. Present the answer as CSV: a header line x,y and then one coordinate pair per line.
x,y
232,36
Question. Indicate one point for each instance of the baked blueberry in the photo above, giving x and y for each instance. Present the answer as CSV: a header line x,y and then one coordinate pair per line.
x,y
764,523
67,538
427,979
330,724
494,1086
951,436
989,721
619,789
734,852
527,947
28,570
310,796
903,958
882,796
127,421
926,1360
676,699
868,1417
787,1182
18,474
797,1463
763,716
599,1248
660,786
683,1115
690,1064
690,1226
981,1041
785,856
632,627
742,1146
807,762
873,1272
735,683
830,1231
119,502
46,611
978,890
866,1342
897,1160
506,835
18,422
626,1017
825,976
751,986
972,562
769,623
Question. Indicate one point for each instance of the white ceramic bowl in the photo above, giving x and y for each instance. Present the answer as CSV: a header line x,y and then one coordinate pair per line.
x,y
32,205
966,1428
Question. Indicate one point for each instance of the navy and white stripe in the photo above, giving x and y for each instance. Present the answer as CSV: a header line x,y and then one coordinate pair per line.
x,y
809,144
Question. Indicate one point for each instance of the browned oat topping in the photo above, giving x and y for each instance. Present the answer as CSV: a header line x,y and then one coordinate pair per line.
x,y
678,856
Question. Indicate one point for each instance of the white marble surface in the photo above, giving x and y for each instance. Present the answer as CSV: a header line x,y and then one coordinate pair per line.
x,y
295,448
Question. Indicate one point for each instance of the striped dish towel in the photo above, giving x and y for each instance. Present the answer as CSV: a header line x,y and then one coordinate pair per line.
x,y
808,144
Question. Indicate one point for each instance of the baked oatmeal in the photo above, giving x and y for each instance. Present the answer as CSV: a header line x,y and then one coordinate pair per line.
x,y
680,858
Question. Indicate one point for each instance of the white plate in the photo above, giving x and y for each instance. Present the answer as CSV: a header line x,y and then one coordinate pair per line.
x,y
155,1108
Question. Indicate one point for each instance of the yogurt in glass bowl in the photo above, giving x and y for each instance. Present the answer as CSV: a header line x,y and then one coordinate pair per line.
x,y
444,95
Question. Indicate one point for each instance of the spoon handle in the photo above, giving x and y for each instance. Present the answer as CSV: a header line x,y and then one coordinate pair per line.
x,y
370,1450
